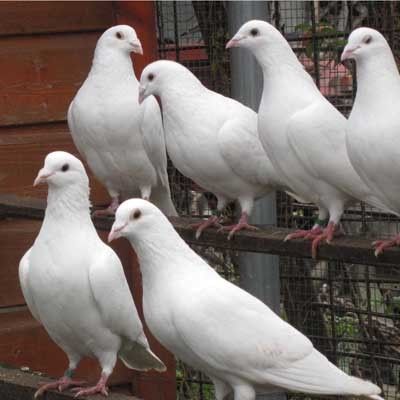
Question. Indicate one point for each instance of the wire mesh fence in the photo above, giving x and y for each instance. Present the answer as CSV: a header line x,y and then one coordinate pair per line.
x,y
350,312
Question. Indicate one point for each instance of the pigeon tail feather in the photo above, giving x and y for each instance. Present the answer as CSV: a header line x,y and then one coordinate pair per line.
x,y
315,374
375,397
136,356
161,197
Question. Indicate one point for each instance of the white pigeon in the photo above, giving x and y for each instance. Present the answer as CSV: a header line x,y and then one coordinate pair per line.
x,y
215,326
122,141
373,128
211,139
75,286
303,134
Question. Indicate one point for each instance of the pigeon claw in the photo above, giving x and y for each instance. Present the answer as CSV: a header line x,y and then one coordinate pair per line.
x,y
238,227
61,384
381,245
201,226
242,224
327,235
109,211
100,388
304,234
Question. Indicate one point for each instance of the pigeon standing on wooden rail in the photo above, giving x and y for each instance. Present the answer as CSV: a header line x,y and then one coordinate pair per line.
x,y
211,139
122,141
374,124
303,134
215,326
75,286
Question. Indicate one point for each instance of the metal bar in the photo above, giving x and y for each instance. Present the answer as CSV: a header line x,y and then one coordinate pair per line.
x,y
356,310
315,44
359,341
176,33
269,239
332,314
259,273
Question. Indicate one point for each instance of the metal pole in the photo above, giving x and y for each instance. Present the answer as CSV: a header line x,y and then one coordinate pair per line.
x,y
259,273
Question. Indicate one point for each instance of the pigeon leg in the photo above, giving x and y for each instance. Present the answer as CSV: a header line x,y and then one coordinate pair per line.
x,y
100,388
212,221
242,224
327,234
110,210
61,384
381,245
145,192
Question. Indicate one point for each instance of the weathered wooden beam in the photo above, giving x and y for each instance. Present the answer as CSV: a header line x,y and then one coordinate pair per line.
x,y
351,249
16,384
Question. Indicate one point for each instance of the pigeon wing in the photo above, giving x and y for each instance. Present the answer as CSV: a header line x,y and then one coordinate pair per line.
x,y
237,140
23,280
153,138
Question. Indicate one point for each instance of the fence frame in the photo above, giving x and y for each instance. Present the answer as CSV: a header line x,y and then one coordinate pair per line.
x,y
268,239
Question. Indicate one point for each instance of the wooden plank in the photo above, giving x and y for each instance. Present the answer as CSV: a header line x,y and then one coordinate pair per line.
x,y
22,153
41,74
16,236
15,384
25,17
269,239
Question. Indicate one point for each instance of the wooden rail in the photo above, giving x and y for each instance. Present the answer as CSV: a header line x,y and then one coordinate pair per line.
x,y
350,249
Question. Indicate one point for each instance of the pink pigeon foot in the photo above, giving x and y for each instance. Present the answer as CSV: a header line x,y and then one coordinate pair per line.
x,y
241,225
110,210
201,226
99,388
381,245
304,233
327,234
61,384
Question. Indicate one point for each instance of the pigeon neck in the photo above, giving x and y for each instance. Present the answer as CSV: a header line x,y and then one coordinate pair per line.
x,y
112,63
71,203
378,78
161,252
276,57
173,93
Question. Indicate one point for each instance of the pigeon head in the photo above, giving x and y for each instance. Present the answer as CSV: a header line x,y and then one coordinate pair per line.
x,y
363,42
133,217
159,73
61,169
122,37
254,34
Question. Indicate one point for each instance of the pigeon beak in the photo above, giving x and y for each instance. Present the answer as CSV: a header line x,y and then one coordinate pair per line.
x,y
234,42
136,46
142,94
116,232
348,53
42,177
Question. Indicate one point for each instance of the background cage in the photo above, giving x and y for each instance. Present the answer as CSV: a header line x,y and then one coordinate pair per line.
x,y
351,312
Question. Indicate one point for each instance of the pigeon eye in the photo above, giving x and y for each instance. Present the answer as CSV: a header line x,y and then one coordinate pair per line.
x,y
65,168
136,214
368,39
119,35
254,32
150,77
